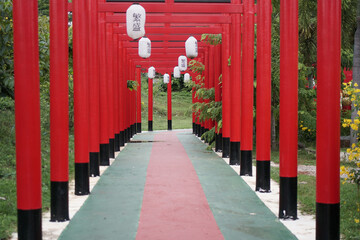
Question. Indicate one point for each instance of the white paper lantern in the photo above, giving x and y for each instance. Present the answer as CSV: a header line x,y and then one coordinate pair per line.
x,y
144,47
186,77
191,47
182,63
176,72
135,21
166,78
151,72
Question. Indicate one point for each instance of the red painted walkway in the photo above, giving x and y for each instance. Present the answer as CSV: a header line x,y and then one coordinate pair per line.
x,y
174,204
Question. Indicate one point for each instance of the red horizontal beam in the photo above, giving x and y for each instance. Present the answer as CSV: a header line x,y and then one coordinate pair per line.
x,y
175,8
175,30
161,44
182,38
178,18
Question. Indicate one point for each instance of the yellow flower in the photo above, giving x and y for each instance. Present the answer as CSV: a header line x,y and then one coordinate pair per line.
x,y
348,150
356,220
356,85
304,128
344,125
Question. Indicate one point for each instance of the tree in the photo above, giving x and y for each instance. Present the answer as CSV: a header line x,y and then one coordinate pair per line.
x,y
356,70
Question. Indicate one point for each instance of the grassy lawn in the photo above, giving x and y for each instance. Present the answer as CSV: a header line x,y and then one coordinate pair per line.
x,y
349,196
181,108
8,209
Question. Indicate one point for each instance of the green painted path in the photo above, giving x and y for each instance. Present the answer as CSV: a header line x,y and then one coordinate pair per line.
x,y
113,208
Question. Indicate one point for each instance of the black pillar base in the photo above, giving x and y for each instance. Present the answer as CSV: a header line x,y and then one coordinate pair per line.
x,y
59,202
262,176
327,221
117,142
29,224
129,134
111,148
94,164
218,142
226,147
150,126
126,135
288,198
234,153
133,129
138,127
245,163
193,127
104,154
82,179
169,125
202,130
122,139
197,130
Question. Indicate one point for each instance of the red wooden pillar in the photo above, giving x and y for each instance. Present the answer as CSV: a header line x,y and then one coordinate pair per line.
x,y
138,99
110,82
247,90
116,91
126,96
328,120
81,104
225,91
59,111
235,92
121,95
263,95
150,104
207,83
133,101
94,94
103,89
211,76
27,118
288,108
169,104
217,72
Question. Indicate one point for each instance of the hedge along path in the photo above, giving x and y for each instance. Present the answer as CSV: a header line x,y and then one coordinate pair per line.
x,y
168,186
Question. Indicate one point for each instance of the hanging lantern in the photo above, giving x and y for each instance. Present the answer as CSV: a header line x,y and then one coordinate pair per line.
x,y
151,72
176,72
144,47
166,78
135,21
191,47
182,63
186,77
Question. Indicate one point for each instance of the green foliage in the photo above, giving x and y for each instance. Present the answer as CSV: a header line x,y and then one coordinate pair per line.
x,y
212,39
132,85
209,137
6,49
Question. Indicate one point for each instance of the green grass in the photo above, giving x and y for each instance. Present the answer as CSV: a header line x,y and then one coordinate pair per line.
x,y
349,195
181,108
8,208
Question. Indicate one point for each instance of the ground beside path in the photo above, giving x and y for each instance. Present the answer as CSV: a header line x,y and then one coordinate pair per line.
x,y
166,185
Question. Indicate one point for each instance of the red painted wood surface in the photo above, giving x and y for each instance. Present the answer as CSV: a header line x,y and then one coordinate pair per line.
x,y
263,87
27,105
288,88
81,104
59,92
328,108
247,81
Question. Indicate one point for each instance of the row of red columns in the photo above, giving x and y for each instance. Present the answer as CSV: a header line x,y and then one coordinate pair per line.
x,y
113,93
237,120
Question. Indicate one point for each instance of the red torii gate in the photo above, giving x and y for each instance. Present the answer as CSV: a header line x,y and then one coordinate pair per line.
x,y
96,135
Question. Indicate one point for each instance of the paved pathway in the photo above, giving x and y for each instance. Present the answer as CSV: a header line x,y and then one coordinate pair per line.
x,y
166,185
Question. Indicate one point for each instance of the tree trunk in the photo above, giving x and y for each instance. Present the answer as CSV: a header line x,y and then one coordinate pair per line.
x,y
274,143
356,71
